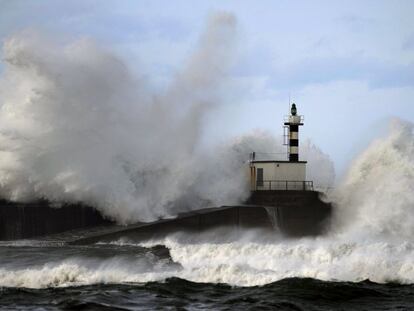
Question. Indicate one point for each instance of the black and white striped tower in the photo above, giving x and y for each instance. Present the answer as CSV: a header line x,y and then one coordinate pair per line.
x,y
294,122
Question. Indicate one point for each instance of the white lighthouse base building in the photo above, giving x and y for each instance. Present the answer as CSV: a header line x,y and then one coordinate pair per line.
x,y
279,175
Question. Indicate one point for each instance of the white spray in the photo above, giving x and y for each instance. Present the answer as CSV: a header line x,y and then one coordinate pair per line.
x,y
75,125
376,197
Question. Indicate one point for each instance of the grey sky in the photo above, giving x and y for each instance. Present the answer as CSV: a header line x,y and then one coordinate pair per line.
x,y
349,65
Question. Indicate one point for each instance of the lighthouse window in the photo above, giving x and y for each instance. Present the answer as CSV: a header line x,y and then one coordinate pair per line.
x,y
260,177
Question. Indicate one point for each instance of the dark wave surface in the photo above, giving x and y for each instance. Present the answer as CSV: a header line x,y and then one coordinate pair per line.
x,y
39,275
178,294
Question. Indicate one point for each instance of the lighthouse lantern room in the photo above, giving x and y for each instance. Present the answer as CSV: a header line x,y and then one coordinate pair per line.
x,y
271,174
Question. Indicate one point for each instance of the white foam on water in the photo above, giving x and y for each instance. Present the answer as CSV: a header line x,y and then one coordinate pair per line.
x,y
238,263
247,264
81,271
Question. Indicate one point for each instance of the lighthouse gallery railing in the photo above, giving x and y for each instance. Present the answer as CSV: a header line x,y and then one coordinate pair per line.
x,y
284,185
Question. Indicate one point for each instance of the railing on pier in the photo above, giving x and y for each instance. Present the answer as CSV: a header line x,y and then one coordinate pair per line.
x,y
284,185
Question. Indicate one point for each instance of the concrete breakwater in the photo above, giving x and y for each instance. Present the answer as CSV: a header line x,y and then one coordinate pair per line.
x,y
294,213
27,220
297,212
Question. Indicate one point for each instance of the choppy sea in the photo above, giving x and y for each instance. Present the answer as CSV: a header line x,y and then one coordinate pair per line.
x,y
177,273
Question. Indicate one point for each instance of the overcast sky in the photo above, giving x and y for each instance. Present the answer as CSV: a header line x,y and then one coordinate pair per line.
x,y
349,65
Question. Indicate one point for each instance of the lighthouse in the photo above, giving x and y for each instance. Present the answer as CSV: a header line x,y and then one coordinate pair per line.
x,y
294,121
269,173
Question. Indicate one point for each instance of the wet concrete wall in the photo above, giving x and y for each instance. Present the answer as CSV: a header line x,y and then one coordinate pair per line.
x,y
294,213
297,212
27,220
236,217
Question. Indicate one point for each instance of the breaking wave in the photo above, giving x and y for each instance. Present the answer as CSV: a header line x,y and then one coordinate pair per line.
x,y
239,263
76,125
376,198
83,271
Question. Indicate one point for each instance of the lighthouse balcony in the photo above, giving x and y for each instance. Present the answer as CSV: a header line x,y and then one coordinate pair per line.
x,y
299,120
263,185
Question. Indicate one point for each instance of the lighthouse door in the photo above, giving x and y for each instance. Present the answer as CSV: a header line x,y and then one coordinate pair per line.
x,y
259,180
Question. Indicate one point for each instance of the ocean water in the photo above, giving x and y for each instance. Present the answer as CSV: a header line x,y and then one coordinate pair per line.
x,y
58,102
179,294
213,270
